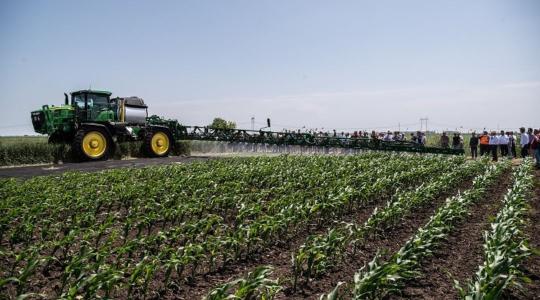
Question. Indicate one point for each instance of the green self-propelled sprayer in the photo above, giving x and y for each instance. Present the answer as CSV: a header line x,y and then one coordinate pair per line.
x,y
92,122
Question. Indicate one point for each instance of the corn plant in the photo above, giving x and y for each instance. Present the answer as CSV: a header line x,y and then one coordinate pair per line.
x,y
256,285
379,279
114,232
320,252
334,294
505,248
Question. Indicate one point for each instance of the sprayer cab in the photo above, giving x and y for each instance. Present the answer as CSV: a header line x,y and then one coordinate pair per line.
x,y
92,105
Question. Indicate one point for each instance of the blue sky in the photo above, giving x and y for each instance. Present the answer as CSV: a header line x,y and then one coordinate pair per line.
x,y
331,64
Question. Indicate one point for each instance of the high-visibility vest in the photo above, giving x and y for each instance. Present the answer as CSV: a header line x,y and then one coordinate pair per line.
x,y
484,140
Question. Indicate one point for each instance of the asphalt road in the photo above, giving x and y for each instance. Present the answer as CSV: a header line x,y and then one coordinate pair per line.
x,y
40,170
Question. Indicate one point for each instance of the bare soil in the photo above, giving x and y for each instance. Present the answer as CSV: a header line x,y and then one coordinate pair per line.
x,y
387,244
280,257
461,254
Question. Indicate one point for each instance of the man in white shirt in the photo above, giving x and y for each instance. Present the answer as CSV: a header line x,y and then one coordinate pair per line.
x,y
524,142
503,143
388,137
494,145
423,139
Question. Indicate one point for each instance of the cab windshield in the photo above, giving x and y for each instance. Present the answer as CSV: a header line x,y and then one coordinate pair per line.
x,y
93,100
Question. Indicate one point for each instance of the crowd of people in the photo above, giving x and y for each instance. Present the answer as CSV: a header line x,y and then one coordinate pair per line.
x,y
496,144
504,144
388,136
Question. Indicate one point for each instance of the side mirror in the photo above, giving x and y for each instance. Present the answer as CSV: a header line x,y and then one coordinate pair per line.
x,y
268,122
66,99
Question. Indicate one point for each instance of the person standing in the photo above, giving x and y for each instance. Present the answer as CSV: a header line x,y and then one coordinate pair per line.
x,y
531,140
503,144
484,143
494,145
421,138
413,138
511,145
456,141
537,152
535,146
473,143
445,140
524,142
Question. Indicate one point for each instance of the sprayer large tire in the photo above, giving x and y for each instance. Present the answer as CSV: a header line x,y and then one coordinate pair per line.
x,y
92,144
157,143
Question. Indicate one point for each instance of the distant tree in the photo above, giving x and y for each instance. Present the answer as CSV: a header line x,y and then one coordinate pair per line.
x,y
222,124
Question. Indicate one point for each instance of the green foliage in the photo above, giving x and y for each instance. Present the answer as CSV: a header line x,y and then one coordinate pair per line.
x,y
222,124
378,279
505,247
34,151
7,140
135,233
256,285
320,252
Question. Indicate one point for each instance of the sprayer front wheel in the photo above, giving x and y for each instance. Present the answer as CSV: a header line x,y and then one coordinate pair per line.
x,y
92,144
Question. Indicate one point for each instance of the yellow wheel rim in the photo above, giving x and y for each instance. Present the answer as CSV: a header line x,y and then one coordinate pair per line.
x,y
94,144
160,143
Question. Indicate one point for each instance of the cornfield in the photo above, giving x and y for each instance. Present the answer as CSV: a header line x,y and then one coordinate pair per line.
x,y
328,227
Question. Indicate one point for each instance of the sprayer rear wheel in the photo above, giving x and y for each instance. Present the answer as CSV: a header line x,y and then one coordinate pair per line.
x,y
157,143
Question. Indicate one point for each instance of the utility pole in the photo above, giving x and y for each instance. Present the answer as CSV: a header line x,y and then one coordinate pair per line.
x,y
399,126
422,120
252,123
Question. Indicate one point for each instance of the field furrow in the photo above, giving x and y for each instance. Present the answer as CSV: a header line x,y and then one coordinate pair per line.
x,y
505,246
384,276
286,227
353,259
460,254
279,254
158,232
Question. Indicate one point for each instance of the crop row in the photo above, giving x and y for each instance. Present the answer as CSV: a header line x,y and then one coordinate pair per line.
x,y
112,233
166,196
505,247
378,278
323,251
